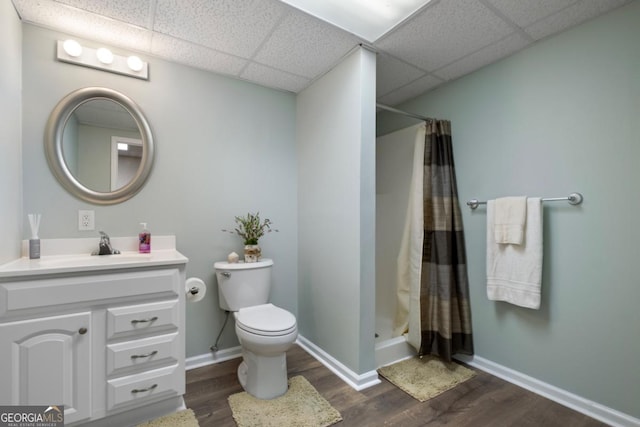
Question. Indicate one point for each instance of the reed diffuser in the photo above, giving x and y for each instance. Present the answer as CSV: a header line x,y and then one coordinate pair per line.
x,y
34,241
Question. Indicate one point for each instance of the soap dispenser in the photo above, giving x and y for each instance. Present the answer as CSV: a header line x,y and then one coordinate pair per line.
x,y
144,239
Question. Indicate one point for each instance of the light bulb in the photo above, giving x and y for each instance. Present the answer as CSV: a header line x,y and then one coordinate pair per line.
x,y
135,63
104,55
72,48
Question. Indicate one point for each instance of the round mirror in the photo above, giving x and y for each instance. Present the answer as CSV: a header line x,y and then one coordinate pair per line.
x,y
99,145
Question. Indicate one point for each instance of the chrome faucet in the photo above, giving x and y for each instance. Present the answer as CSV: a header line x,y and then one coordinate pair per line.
x,y
104,247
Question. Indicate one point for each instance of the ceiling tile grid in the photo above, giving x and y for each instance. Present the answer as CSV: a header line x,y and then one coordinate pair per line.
x,y
393,73
487,55
571,16
270,77
84,24
447,30
305,46
196,56
273,44
410,90
524,13
136,12
237,27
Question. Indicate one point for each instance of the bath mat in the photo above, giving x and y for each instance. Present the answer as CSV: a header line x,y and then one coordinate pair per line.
x,y
425,378
301,405
184,418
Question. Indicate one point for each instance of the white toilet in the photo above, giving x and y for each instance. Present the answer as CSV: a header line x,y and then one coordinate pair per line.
x,y
265,331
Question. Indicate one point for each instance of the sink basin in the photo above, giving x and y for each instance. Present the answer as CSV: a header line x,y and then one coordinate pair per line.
x,y
68,256
71,263
62,261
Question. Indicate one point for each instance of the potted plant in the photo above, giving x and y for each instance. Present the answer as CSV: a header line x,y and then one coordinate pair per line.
x,y
251,228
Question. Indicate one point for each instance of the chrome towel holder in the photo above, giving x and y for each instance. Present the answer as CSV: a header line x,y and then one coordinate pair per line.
x,y
573,199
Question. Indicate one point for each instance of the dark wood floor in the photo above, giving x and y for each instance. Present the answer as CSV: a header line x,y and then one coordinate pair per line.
x,y
482,401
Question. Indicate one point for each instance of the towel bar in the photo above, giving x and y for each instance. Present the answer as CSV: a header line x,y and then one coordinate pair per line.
x,y
573,199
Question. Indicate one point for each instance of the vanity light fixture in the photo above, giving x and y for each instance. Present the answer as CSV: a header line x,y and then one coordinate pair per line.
x,y
104,55
72,48
70,51
135,63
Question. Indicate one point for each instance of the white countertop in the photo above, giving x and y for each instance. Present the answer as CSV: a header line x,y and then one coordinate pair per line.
x,y
61,257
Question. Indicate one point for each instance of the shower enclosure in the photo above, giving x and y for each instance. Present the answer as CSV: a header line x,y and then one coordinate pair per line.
x,y
394,160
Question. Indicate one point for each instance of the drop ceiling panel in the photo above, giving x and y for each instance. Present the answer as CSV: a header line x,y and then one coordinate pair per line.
x,y
236,27
570,16
85,24
195,55
410,90
270,77
445,32
305,46
276,45
524,13
487,55
392,73
137,12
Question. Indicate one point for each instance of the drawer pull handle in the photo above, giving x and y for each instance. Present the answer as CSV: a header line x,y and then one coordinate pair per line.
x,y
140,356
136,321
142,390
82,331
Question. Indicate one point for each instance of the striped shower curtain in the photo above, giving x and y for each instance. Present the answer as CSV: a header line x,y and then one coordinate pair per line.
x,y
445,313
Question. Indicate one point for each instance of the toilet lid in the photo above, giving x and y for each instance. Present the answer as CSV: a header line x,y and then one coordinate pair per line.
x,y
266,319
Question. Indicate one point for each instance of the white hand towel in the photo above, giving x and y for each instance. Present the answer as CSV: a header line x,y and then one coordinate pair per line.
x,y
509,219
514,272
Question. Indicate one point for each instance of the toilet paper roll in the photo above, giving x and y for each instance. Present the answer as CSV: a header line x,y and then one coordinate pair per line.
x,y
195,289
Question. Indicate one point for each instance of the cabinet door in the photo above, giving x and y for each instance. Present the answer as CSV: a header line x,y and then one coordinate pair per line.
x,y
47,361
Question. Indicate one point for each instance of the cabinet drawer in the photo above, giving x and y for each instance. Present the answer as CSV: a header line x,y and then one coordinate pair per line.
x,y
149,385
143,353
142,318
97,288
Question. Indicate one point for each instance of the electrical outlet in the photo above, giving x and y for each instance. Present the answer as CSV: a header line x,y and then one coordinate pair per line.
x,y
86,220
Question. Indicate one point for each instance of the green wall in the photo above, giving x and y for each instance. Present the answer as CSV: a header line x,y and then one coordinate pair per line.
x,y
11,218
336,211
560,116
224,147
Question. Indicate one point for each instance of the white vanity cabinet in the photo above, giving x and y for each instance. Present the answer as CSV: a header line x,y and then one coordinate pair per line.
x,y
105,342
48,358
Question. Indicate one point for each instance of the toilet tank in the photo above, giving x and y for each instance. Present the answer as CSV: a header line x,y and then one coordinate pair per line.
x,y
243,284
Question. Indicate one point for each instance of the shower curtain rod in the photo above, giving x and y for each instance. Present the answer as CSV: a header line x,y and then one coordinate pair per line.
x,y
404,113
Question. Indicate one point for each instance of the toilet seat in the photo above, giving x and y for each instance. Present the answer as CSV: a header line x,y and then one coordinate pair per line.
x,y
266,320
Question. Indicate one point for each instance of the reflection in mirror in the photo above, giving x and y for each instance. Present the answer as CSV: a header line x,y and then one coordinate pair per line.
x,y
88,145
126,154
99,145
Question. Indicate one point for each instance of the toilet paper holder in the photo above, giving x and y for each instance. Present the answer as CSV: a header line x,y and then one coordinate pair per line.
x,y
195,289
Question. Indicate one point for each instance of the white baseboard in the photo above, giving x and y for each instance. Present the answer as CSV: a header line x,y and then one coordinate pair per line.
x,y
393,350
563,397
211,358
360,382
357,381
132,417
